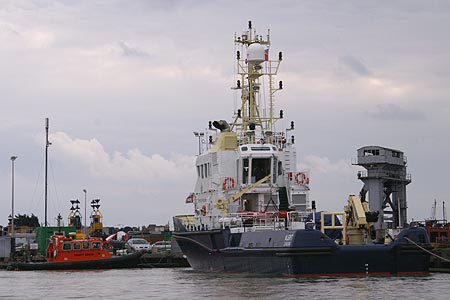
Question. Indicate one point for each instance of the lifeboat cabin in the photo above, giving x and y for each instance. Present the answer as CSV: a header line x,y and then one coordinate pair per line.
x,y
66,249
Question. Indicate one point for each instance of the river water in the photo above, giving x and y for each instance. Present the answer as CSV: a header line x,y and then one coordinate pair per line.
x,y
184,283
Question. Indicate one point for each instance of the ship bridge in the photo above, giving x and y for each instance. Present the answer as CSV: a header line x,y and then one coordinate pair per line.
x,y
258,161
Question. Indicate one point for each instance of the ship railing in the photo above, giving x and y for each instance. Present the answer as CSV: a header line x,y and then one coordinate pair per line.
x,y
298,216
334,216
254,221
274,226
383,174
296,219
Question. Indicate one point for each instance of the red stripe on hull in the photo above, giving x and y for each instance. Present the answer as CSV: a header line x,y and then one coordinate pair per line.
x,y
356,274
415,273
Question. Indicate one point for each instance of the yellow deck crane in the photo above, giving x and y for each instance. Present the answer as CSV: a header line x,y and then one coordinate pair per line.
x,y
359,221
222,204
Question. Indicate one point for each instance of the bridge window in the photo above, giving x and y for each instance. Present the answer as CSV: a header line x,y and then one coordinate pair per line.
x,y
260,168
395,154
274,171
245,171
371,152
280,168
95,245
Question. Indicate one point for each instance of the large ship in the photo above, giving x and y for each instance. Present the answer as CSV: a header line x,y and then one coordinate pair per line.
x,y
251,204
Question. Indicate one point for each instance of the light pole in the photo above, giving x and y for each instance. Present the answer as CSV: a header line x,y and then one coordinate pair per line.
x,y
13,158
85,216
199,135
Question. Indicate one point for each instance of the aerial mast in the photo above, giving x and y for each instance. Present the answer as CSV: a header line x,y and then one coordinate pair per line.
x,y
47,144
433,210
444,212
251,68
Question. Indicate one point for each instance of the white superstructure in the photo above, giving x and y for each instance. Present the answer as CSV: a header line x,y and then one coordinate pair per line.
x,y
250,166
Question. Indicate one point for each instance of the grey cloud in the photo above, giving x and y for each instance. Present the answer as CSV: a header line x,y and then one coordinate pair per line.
x,y
356,65
391,111
8,29
130,51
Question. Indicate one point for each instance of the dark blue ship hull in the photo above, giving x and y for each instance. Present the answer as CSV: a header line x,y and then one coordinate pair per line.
x,y
302,253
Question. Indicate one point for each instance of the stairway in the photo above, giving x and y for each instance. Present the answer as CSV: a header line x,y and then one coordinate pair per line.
x,y
283,199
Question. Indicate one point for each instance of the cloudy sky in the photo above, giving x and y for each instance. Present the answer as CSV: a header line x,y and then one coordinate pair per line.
x,y
125,83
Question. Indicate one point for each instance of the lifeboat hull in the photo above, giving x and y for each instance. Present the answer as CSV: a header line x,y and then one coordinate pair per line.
x,y
132,260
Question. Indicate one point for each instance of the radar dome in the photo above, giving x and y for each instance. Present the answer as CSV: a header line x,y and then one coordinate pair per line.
x,y
256,54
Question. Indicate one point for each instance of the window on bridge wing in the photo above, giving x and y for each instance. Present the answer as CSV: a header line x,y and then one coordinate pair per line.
x,y
245,171
260,168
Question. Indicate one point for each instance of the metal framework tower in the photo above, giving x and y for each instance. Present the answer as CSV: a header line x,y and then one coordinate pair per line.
x,y
385,183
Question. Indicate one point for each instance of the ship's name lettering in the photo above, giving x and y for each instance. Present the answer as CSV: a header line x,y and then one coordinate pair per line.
x,y
288,237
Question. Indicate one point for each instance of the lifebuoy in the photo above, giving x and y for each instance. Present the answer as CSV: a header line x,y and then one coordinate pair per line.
x,y
298,178
203,210
228,183
301,178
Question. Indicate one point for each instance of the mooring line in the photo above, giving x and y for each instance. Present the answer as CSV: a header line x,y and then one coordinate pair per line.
x,y
426,250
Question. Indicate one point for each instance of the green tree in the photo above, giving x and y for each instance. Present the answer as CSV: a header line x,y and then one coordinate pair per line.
x,y
25,220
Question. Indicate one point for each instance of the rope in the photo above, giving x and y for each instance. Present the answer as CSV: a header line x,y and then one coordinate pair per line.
x,y
195,242
428,251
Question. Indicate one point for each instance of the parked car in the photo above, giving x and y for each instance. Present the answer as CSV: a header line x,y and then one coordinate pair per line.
x,y
137,244
162,246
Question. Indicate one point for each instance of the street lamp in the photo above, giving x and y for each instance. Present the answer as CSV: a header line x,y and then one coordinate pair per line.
x,y
199,135
85,216
13,158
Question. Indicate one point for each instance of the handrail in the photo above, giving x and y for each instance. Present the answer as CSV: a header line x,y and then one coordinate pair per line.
x,y
333,225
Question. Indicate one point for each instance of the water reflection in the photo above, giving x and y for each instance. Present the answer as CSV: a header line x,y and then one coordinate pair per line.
x,y
188,284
